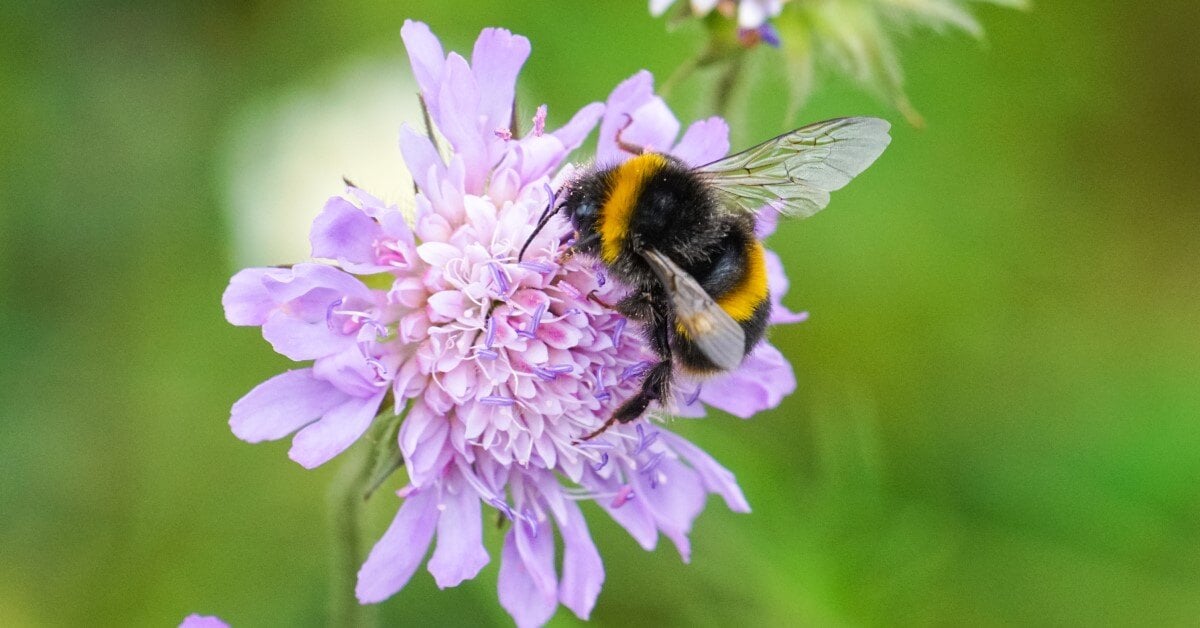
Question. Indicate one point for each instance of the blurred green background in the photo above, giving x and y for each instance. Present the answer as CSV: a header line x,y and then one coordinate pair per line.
x,y
999,388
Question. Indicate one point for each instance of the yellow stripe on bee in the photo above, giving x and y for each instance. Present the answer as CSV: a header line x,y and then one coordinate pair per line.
x,y
628,180
751,291
741,301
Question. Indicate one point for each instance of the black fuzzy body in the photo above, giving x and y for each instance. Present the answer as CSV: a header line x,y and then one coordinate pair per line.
x,y
675,212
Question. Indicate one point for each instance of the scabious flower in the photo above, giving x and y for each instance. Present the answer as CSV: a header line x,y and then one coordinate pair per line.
x,y
196,620
751,14
850,37
500,365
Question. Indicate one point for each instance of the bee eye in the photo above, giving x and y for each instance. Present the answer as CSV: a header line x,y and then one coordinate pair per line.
x,y
585,209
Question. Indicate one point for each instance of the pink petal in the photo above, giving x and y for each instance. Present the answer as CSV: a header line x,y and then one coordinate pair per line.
x,y
460,553
338,429
302,340
574,132
674,503
705,141
446,305
425,53
495,62
716,478
282,405
396,556
625,99
246,300
583,571
423,441
422,158
519,585
762,381
344,233
459,121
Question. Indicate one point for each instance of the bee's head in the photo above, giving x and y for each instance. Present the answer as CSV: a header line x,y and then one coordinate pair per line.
x,y
582,203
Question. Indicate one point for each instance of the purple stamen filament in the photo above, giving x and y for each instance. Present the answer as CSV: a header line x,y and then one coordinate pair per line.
x,y
496,400
537,267
498,276
531,330
330,311
617,331
487,354
644,441
634,370
490,337
603,461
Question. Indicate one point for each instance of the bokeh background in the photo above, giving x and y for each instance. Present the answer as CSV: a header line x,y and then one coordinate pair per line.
x,y
999,387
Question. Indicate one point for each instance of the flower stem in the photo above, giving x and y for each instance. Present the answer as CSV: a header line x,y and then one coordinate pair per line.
x,y
346,508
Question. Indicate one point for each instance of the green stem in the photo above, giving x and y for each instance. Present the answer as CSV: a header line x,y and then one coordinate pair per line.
x,y
347,507
680,74
727,83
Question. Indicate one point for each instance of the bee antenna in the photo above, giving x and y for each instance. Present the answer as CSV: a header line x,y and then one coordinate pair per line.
x,y
551,209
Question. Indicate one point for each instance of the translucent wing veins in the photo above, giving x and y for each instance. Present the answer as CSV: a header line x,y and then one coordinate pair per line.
x,y
711,328
795,172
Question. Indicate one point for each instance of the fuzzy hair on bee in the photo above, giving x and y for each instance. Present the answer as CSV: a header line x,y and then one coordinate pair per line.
x,y
682,238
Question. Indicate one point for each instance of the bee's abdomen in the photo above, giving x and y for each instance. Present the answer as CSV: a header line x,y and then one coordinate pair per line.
x,y
738,282
742,300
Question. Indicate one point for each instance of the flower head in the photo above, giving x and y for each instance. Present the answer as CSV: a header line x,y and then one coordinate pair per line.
x,y
851,37
196,620
500,365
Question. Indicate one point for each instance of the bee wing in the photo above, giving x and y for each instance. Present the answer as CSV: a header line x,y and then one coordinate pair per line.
x,y
795,172
717,335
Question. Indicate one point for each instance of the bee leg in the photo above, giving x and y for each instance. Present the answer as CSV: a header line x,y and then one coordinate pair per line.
x,y
657,381
635,149
655,386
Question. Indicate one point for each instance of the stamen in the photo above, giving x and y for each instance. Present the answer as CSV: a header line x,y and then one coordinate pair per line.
x,y
502,506
377,366
499,277
539,121
603,395
644,441
594,444
624,494
530,522
531,330
617,331
490,337
635,370
487,354
550,373
691,399
504,134
497,400
537,267
570,289
329,312
653,463
603,461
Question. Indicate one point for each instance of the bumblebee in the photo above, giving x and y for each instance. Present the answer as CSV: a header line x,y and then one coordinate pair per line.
x,y
683,239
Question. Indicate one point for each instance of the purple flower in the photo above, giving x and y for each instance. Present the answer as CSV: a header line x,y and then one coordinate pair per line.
x,y
502,365
751,14
202,621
